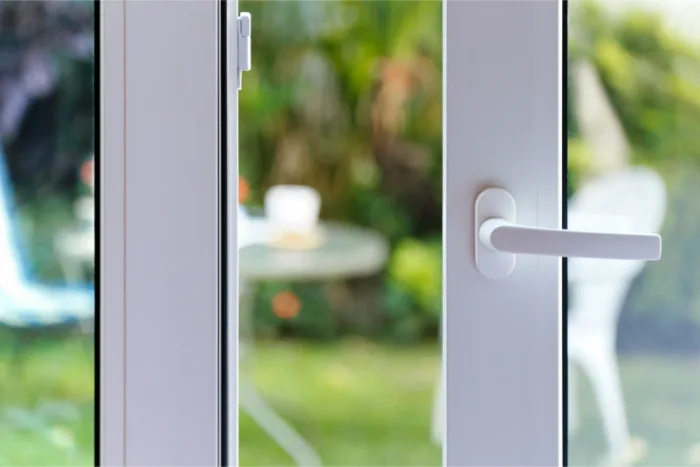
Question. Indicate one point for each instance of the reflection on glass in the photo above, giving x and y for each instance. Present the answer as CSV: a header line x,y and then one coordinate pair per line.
x,y
46,233
634,166
340,263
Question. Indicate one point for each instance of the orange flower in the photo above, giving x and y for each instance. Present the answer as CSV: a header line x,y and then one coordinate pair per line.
x,y
87,172
243,190
286,305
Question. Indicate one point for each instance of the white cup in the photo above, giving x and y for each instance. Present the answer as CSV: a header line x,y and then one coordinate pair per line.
x,y
292,209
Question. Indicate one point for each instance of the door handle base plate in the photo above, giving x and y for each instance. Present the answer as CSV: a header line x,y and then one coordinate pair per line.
x,y
493,203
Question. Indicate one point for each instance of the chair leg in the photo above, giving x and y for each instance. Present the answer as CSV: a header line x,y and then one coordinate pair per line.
x,y
604,375
572,403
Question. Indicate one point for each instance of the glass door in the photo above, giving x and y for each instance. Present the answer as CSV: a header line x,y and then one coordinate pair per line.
x,y
568,132
340,234
571,133
633,163
48,320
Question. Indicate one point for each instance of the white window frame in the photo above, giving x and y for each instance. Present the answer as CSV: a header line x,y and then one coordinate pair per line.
x,y
160,235
503,346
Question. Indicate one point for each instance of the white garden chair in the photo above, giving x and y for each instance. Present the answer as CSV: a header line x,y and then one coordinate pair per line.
x,y
627,200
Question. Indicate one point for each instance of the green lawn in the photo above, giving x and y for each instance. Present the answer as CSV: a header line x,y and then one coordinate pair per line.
x,y
662,396
364,405
359,404
47,402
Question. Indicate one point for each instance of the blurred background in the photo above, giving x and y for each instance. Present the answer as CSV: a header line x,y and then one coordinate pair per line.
x,y
342,340
345,97
634,100
46,233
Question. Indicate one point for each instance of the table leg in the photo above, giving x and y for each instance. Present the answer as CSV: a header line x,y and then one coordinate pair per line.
x,y
277,428
438,415
259,410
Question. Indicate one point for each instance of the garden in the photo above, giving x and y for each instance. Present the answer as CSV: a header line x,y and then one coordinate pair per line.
x,y
346,97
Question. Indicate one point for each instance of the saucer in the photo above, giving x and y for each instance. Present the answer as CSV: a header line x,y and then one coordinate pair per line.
x,y
297,241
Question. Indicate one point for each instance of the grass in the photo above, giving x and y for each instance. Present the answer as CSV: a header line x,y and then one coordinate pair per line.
x,y
47,402
358,404
662,397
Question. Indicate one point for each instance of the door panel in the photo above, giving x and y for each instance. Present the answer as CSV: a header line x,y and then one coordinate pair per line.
x,y
503,341
162,205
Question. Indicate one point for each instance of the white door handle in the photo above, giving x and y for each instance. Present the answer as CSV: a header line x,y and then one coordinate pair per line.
x,y
501,235
498,238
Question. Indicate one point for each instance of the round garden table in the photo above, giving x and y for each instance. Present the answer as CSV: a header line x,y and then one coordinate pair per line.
x,y
346,252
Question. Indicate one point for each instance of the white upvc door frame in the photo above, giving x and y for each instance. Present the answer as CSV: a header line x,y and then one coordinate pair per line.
x,y
161,234
230,175
503,345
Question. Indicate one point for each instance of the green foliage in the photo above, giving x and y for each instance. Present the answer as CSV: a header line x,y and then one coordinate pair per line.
x,y
413,297
650,77
578,162
346,97
417,267
316,320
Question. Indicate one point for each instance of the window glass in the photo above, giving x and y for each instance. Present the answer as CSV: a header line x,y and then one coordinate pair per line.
x,y
634,164
47,220
341,227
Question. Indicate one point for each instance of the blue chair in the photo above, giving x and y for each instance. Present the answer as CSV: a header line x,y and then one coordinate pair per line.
x,y
25,302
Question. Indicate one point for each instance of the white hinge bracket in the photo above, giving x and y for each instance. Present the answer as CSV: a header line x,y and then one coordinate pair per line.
x,y
243,26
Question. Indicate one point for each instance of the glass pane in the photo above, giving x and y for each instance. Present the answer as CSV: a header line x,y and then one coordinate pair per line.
x,y
46,233
341,120
634,165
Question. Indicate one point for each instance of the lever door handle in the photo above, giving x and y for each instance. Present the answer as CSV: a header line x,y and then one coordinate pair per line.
x,y
501,235
498,239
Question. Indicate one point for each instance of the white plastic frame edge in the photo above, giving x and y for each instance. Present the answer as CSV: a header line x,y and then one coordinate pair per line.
x,y
160,226
503,344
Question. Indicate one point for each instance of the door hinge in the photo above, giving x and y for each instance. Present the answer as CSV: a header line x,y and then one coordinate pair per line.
x,y
243,31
